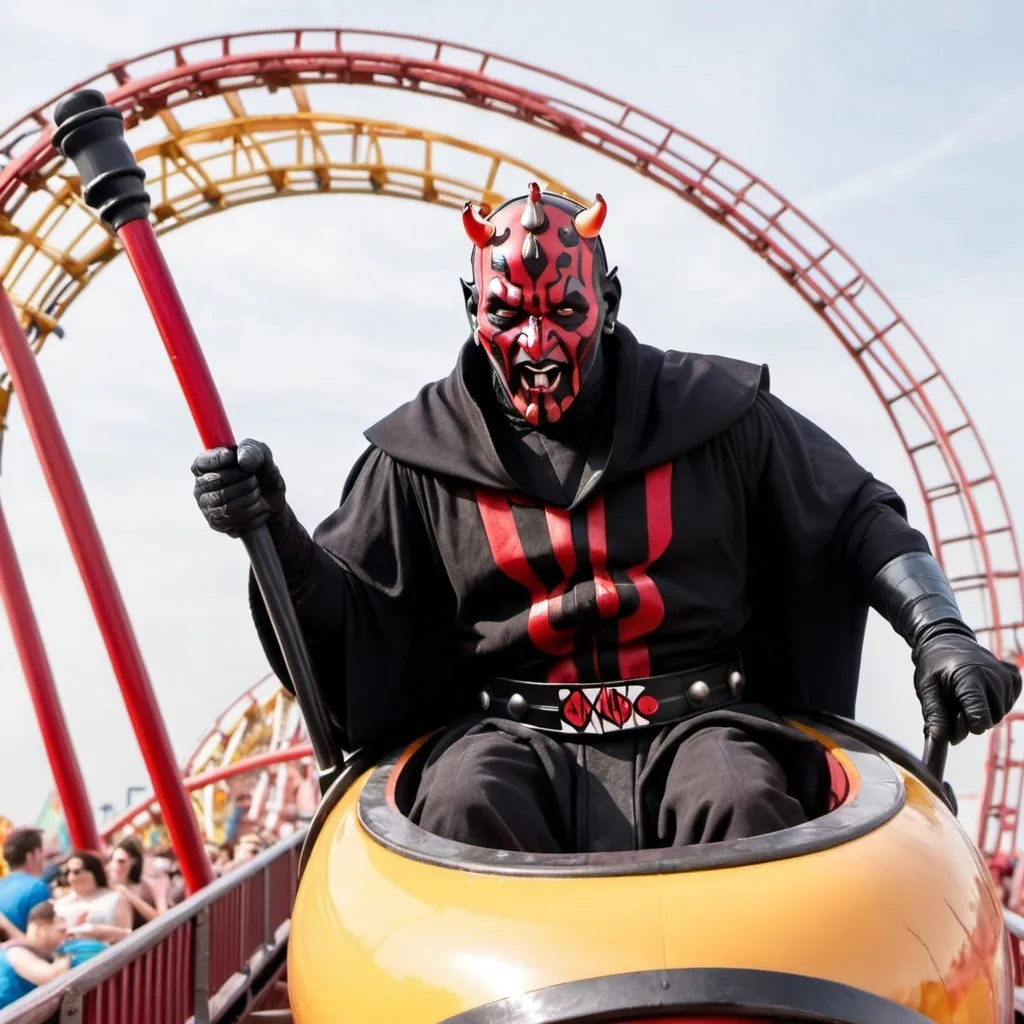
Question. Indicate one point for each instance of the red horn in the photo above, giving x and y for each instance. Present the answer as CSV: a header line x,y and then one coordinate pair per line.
x,y
479,230
589,222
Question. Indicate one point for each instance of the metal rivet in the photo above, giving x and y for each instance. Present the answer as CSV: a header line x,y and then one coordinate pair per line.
x,y
698,692
485,699
517,706
736,683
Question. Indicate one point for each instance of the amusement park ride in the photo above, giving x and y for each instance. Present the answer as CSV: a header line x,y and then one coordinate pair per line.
x,y
208,147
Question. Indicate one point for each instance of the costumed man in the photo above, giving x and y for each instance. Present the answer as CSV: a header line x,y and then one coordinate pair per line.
x,y
630,561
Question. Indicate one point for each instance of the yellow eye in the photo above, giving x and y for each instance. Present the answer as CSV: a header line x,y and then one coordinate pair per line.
x,y
565,311
503,314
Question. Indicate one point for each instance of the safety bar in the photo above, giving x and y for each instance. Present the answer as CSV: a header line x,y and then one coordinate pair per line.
x,y
190,964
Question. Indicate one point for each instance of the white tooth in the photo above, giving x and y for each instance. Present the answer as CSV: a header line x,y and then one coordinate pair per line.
x,y
540,380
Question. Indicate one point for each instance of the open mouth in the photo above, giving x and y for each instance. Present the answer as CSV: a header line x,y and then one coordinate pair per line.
x,y
540,377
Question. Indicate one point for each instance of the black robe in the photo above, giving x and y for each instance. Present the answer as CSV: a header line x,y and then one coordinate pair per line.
x,y
713,517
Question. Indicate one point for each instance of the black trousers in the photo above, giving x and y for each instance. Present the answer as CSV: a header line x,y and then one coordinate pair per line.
x,y
722,775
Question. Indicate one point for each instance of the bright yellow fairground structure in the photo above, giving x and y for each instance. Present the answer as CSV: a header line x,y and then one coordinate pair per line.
x,y
906,911
52,245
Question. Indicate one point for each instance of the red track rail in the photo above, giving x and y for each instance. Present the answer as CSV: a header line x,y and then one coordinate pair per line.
x,y
268,759
108,607
969,520
965,502
45,701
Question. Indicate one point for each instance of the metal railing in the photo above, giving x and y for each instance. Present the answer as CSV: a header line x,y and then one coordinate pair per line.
x,y
192,963
203,957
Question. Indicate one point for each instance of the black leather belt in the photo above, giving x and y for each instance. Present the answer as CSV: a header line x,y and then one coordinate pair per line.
x,y
614,706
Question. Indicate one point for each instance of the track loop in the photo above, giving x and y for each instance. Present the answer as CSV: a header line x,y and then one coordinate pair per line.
x,y
969,520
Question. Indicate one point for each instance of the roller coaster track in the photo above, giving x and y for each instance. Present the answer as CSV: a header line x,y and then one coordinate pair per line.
x,y
51,246
968,516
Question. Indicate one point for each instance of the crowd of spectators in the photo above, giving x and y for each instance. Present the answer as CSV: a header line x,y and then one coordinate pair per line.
x,y
54,916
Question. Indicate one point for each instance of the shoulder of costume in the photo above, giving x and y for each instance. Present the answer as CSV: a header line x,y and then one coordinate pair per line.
x,y
357,468
746,375
441,432
684,399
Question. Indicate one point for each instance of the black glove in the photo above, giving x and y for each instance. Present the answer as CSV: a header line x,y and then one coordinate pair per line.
x,y
962,686
239,489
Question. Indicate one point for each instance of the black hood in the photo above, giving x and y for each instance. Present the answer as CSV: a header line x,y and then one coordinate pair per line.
x,y
665,403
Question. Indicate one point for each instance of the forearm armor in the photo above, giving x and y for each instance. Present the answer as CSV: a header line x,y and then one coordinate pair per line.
x,y
912,593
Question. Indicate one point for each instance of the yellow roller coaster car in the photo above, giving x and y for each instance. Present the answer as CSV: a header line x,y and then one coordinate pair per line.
x,y
879,912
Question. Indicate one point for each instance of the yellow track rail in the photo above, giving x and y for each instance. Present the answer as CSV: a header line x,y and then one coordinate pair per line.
x,y
52,245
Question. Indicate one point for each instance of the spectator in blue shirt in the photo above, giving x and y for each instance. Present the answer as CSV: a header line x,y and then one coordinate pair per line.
x,y
32,961
22,888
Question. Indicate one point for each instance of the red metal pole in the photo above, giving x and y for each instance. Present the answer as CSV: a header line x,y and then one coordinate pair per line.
x,y
74,800
228,771
91,135
140,245
111,616
143,252
270,759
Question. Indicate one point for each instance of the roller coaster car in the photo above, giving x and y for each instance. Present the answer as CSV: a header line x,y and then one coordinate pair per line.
x,y
880,912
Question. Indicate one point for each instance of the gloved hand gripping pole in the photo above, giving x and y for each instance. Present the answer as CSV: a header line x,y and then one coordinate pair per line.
x,y
91,135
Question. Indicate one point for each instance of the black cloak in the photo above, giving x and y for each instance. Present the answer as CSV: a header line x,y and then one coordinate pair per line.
x,y
406,603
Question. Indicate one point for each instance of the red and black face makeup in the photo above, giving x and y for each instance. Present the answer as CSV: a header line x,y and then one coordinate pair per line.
x,y
539,308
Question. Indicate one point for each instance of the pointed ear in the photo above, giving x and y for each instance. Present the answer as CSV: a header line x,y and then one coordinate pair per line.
x,y
471,297
612,292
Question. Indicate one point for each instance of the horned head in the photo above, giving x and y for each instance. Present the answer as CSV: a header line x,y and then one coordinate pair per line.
x,y
588,222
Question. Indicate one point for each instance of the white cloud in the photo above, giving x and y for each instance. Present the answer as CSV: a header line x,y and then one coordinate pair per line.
x,y
998,123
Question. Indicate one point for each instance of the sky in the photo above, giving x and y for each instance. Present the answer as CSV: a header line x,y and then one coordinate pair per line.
x,y
899,128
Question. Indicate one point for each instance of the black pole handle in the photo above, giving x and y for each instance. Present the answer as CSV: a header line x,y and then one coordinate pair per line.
x,y
934,756
270,578
91,134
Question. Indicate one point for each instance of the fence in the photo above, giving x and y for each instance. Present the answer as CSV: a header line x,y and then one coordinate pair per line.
x,y
197,961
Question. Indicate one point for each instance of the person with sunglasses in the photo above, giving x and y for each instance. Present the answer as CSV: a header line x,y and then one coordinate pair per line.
x,y
91,909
